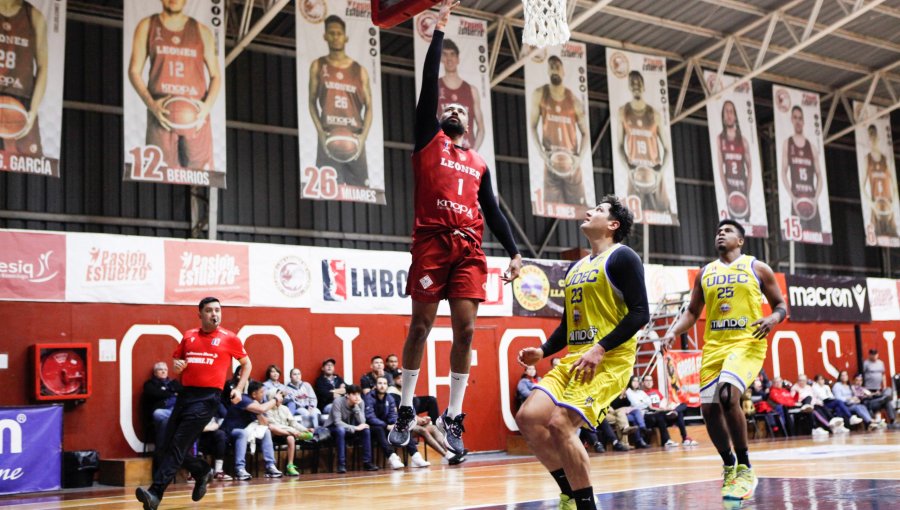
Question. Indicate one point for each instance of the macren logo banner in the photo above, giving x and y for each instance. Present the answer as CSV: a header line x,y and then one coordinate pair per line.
x,y
30,448
828,299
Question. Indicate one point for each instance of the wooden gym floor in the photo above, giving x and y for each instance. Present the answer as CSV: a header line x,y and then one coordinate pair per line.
x,y
859,471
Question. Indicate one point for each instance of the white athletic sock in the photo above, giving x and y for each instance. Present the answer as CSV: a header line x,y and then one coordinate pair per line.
x,y
458,384
219,464
409,380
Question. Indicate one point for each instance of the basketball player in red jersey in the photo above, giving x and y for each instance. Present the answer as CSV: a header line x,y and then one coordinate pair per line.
x,y
340,97
881,188
559,112
178,47
23,71
734,162
800,173
640,144
451,182
454,89
203,358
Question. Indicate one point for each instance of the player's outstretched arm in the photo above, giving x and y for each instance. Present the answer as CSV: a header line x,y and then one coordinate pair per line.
x,y
499,226
427,126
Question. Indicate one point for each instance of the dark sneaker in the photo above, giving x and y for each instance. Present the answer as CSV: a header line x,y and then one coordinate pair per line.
x,y
459,458
341,469
150,500
406,418
368,466
599,448
620,447
452,428
200,486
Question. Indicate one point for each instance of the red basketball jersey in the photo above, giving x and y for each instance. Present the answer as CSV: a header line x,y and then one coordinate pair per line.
x,y
734,161
800,163
340,96
446,191
177,67
464,96
208,356
641,134
17,60
558,121
879,178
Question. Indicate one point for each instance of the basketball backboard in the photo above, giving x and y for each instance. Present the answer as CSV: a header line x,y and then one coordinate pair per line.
x,y
387,13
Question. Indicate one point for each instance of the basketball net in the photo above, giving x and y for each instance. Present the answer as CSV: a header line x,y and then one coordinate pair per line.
x,y
545,23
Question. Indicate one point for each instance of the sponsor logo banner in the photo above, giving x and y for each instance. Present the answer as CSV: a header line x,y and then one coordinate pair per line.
x,y
32,266
196,269
280,276
561,170
464,77
32,124
174,93
539,291
737,167
683,376
30,449
805,215
883,299
877,177
114,269
339,106
828,299
370,282
643,169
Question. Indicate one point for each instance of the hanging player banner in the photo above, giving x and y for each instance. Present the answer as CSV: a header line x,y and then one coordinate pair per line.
x,y
559,134
805,215
643,170
877,177
683,377
463,79
175,92
339,102
737,168
539,291
32,55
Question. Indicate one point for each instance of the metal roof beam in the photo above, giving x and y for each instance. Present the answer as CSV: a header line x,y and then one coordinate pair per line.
x,y
246,38
862,122
863,8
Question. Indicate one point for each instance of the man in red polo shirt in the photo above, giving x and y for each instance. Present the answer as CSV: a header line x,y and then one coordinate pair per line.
x,y
204,359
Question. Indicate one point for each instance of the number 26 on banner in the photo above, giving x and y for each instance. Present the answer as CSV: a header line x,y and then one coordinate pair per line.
x,y
147,163
320,182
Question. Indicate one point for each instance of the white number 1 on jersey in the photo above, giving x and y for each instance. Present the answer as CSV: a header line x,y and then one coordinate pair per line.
x,y
459,191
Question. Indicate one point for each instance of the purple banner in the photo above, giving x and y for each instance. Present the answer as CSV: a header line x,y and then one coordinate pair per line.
x,y
30,448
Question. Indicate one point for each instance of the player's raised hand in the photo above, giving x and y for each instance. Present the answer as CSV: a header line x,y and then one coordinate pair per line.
x,y
764,326
512,272
586,366
530,356
444,13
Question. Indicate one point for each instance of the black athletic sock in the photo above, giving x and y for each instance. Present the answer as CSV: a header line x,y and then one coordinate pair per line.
x,y
560,476
584,499
727,458
743,456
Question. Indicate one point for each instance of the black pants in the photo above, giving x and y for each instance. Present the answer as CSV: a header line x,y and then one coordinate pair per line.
x,y
658,420
427,404
193,410
214,443
678,419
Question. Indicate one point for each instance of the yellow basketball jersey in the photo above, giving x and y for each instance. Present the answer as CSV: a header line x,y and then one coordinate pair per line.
x,y
733,299
593,305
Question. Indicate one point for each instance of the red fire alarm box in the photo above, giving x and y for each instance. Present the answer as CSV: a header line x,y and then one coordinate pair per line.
x,y
62,371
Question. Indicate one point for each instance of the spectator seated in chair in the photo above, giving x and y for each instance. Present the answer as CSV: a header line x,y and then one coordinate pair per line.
x,y
526,384
672,412
876,382
246,423
301,399
284,426
273,379
159,397
843,391
392,366
639,399
874,403
597,439
823,392
824,419
367,381
348,420
213,441
773,413
625,420
328,386
381,416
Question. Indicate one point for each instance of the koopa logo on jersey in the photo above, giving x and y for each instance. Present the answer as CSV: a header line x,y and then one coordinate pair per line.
x,y
443,203
829,297
28,270
341,281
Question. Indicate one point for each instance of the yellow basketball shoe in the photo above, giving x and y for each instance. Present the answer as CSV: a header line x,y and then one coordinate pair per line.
x,y
566,503
744,484
728,475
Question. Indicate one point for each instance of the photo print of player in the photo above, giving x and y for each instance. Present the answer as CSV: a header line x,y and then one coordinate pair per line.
x,y
877,177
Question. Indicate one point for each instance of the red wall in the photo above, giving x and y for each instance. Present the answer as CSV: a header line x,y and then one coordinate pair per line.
x,y
95,424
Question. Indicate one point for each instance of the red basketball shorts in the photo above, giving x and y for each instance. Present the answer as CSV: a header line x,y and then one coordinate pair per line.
x,y
447,266
192,150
